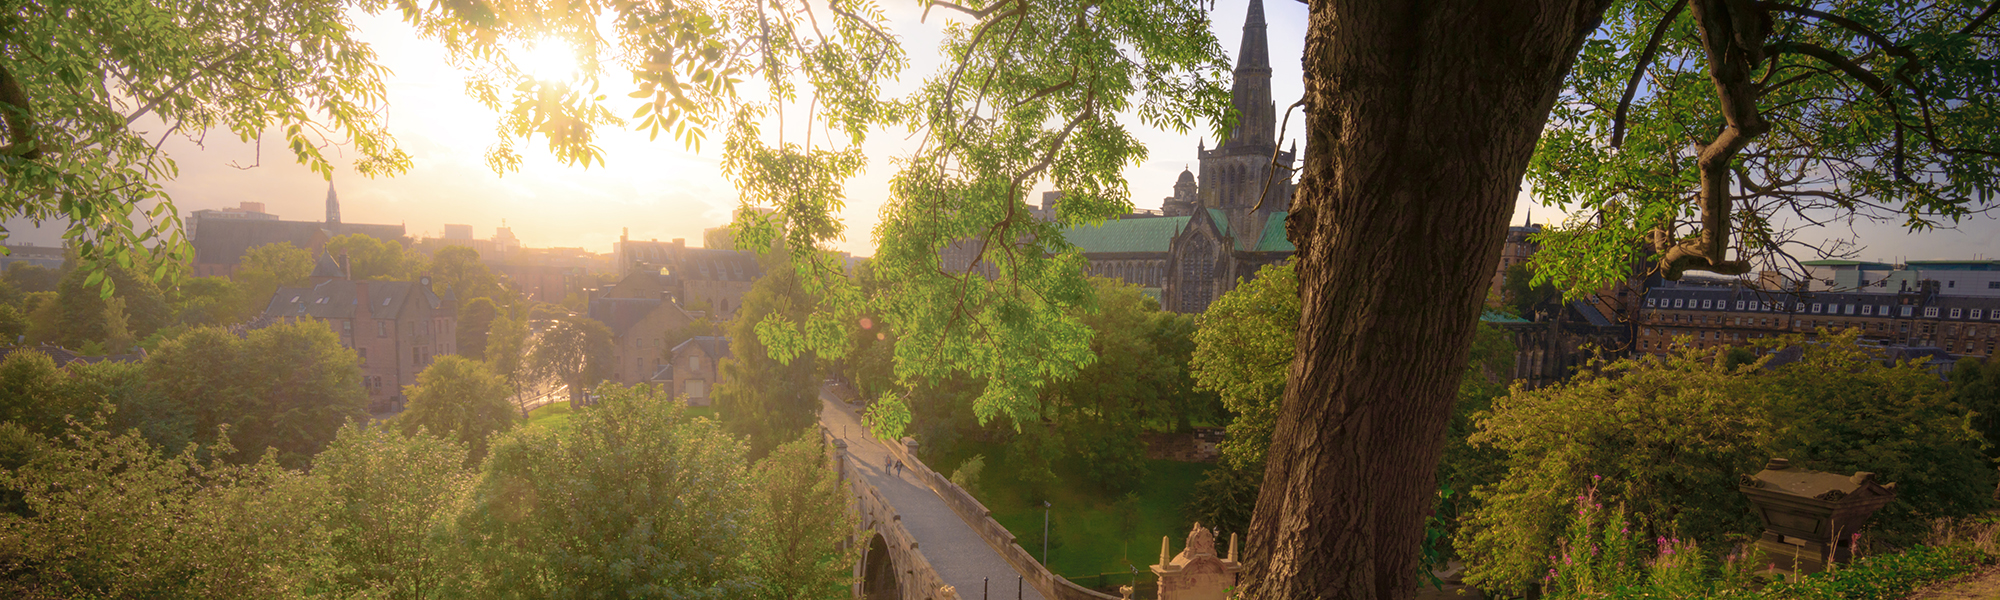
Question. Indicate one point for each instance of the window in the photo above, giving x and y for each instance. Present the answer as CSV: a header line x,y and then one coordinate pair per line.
x,y
1906,311
364,354
1975,314
1867,309
1650,302
381,329
1739,305
1957,313
1677,303
695,388
1764,307
694,362
1993,285
347,327
1930,312
1815,308
1801,307
1951,284
1850,309
1708,304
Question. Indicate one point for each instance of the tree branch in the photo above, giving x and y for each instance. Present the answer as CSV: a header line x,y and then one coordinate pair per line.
x,y
19,116
1981,19
1639,71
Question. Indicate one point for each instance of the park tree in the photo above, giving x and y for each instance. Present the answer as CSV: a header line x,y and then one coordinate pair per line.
x,y
84,315
765,395
90,89
30,387
288,387
652,501
798,548
266,268
200,373
373,259
459,399
387,502
29,278
475,322
110,515
202,301
457,269
507,356
574,350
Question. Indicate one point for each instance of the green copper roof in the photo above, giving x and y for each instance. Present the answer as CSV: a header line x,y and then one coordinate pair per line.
x,y
1150,234
1274,236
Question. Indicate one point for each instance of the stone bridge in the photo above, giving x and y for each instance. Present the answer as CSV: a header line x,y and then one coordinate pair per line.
x,y
928,539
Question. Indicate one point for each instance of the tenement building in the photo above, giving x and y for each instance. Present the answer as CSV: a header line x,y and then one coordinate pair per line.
x,y
1219,226
1922,315
397,327
708,279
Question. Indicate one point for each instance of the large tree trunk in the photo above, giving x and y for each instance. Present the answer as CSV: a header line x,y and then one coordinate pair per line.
x,y
1422,117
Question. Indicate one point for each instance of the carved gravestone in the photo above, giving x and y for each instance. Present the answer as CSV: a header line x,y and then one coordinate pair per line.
x,y
1197,573
1810,517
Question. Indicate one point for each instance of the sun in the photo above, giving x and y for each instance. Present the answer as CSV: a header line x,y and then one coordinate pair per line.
x,y
545,59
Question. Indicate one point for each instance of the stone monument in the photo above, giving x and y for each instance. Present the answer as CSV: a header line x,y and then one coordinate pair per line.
x,y
1197,573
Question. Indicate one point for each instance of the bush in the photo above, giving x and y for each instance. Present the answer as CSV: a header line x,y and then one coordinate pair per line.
x,y
967,474
1669,435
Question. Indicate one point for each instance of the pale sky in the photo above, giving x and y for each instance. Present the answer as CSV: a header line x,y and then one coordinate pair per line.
x,y
660,190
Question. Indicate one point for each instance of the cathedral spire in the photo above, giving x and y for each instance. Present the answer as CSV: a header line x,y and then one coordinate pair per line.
x,y
332,205
1251,95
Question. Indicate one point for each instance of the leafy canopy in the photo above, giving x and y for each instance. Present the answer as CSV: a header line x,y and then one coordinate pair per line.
x,y
90,89
1034,94
1684,122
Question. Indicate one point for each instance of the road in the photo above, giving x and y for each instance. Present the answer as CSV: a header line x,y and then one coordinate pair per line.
x,y
958,554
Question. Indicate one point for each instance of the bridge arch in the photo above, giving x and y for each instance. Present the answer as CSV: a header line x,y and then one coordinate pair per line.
x,y
878,571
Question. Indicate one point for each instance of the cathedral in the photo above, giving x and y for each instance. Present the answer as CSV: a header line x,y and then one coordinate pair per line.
x,y
1221,225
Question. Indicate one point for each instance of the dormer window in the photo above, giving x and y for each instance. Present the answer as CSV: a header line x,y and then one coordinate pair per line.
x,y
1957,313
1930,312
1651,302
1975,314
1708,304
1867,309
1815,308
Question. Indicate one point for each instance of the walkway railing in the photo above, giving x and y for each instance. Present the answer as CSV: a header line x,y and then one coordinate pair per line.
x,y
981,520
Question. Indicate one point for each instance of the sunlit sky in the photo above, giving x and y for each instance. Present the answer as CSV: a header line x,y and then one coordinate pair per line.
x,y
659,190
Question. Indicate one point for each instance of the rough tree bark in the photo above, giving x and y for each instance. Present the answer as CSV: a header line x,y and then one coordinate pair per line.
x,y
1422,116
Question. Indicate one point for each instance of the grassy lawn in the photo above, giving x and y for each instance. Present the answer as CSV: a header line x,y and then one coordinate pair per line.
x,y
1090,531
549,414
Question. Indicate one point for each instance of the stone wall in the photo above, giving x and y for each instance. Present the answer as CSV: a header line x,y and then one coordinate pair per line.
x,y
916,579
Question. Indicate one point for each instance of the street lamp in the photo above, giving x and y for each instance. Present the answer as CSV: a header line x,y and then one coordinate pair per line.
x,y
1045,533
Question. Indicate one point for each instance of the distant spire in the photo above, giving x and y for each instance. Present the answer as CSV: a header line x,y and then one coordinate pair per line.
x,y
1529,219
1251,95
332,205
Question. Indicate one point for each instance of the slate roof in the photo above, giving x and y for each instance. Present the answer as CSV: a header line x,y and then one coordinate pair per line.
x,y
326,266
1150,234
64,356
337,299
715,347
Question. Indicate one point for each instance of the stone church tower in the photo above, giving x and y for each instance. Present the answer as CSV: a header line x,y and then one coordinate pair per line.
x,y
1236,209
1233,175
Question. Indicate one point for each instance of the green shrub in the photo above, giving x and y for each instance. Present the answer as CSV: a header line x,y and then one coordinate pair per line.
x,y
1670,434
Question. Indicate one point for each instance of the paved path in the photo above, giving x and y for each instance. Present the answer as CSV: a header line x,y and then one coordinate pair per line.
x,y
958,554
